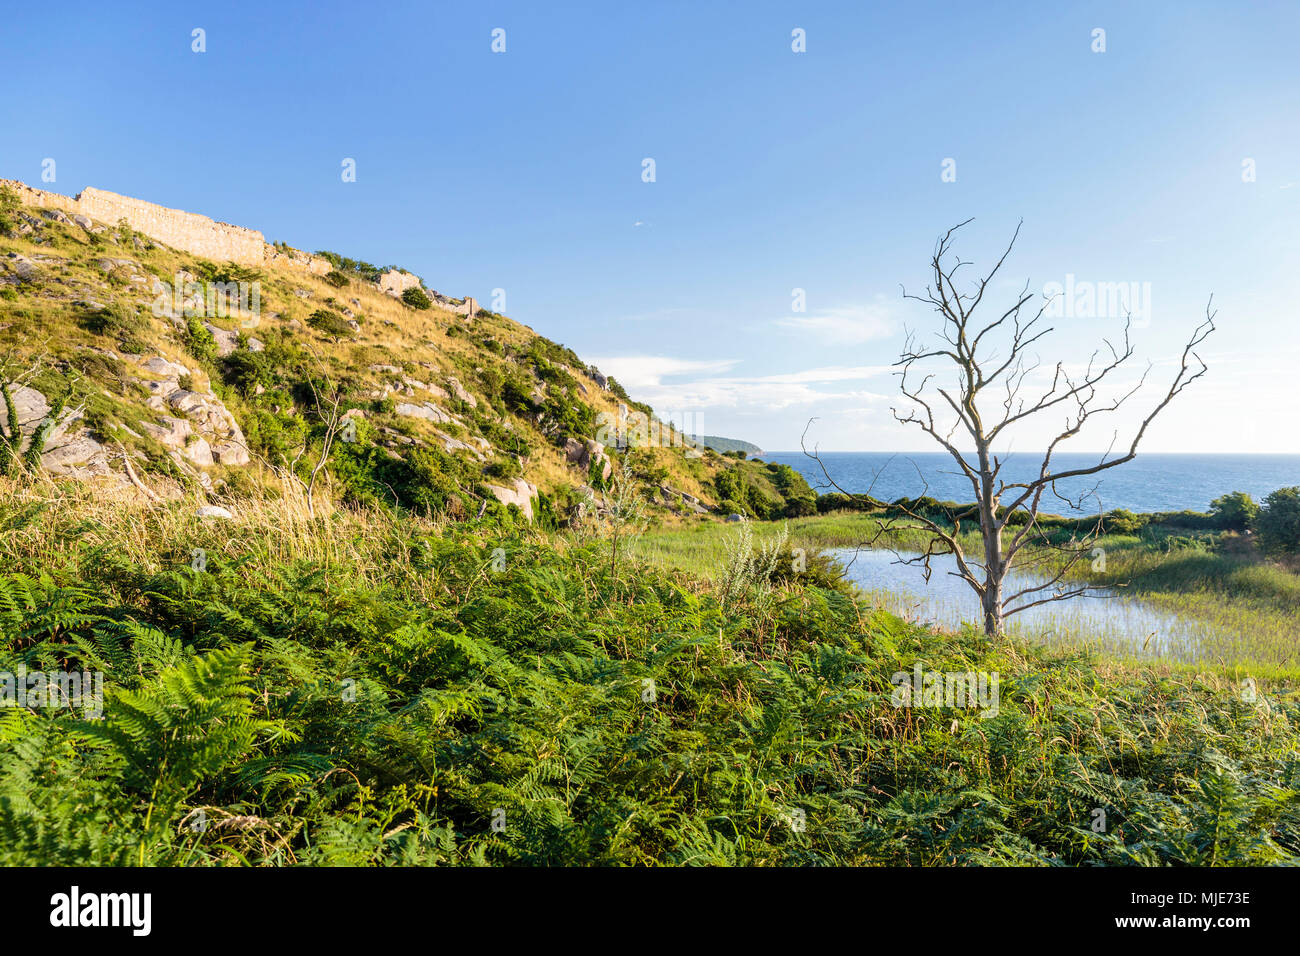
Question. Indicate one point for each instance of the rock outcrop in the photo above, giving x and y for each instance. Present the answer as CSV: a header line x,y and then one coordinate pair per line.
x,y
459,391
521,494
212,431
428,411
583,453
228,340
68,447
394,282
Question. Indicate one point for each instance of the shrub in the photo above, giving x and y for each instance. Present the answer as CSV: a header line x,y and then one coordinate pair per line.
x,y
416,299
9,204
362,270
838,501
517,393
329,322
506,469
1122,521
1234,511
120,322
800,499
199,341
246,369
1278,522
763,505
729,485
335,278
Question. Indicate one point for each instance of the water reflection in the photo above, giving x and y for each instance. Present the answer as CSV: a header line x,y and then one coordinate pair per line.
x,y
1101,617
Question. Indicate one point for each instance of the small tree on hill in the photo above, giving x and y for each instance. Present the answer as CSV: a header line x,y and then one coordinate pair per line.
x,y
416,298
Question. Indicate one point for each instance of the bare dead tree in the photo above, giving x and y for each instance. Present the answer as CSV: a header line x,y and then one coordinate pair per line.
x,y
327,402
329,409
983,395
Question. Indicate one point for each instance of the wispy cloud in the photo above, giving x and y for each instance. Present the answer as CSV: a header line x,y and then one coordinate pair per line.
x,y
846,325
656,380
649,371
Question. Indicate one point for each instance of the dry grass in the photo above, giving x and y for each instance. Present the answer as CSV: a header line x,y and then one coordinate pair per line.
x,y
265,533
432,345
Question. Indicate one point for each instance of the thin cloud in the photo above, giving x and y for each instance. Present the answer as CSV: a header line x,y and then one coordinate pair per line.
x,y
648,371
847,325
652,378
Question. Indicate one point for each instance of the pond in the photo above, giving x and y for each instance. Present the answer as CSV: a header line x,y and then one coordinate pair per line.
x,y
1103,618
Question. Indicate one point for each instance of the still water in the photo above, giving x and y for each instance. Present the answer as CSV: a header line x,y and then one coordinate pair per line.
x,y
1104,617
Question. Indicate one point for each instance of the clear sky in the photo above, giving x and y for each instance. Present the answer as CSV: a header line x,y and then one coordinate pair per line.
x,y
775,170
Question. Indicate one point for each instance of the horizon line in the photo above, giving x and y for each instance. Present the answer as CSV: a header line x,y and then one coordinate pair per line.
x,y
859,451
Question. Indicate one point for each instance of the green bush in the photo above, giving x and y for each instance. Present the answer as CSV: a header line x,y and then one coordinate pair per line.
x,y
1122,521
729,485
416,299
505,469
1234,511
199,341
336,278
838,501
118,321
361,269
1278,522
800,499
329,322
9,206
246,370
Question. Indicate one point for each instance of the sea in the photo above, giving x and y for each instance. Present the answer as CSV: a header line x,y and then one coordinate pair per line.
x,y
1150,483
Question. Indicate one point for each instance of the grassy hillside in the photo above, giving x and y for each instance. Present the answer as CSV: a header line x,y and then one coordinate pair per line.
x,y
443,407
366,688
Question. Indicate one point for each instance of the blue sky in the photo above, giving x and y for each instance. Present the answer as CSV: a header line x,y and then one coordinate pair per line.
x,y
775,171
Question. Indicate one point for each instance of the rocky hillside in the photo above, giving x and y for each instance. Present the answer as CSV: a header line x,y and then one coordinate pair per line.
x,y
152,370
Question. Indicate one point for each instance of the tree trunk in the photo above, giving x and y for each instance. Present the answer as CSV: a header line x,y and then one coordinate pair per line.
x,y
993,607
994,566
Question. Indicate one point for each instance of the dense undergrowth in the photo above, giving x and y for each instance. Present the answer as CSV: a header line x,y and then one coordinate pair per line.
x,y
366,688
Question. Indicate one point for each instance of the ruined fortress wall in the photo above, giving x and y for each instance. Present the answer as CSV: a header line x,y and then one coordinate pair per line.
x,y
297,259
394,283
187,231
40,198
